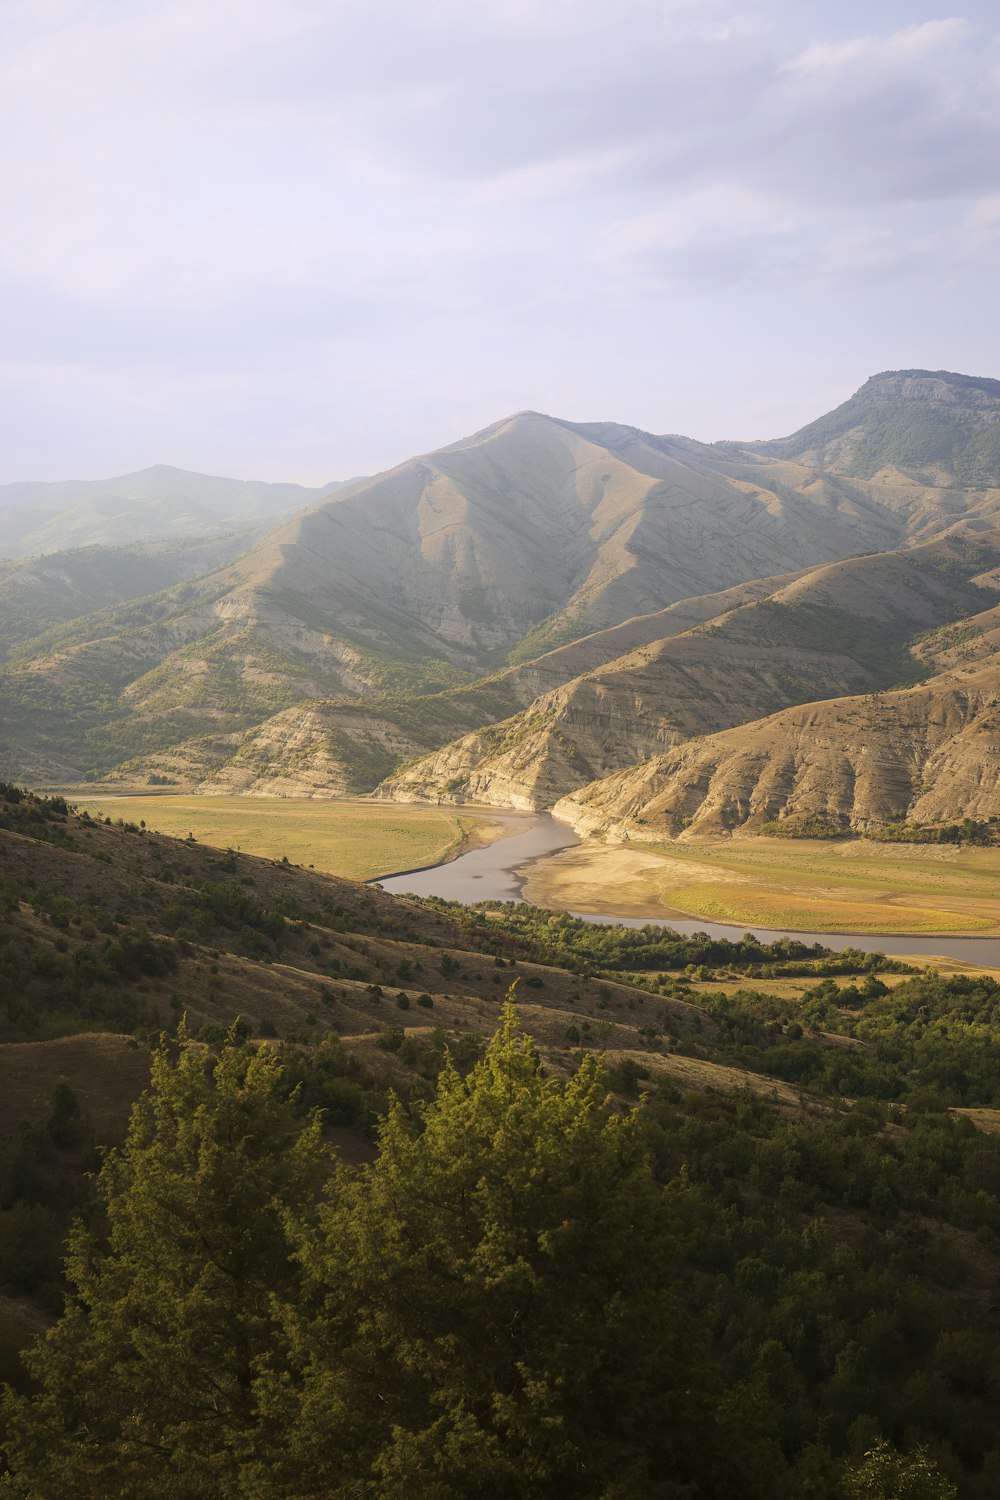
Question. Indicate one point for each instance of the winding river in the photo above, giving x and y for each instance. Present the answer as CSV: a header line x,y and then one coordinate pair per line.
x,y
498,873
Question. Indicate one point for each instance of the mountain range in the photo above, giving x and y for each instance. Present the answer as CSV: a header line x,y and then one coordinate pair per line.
x,y
651,634
153,504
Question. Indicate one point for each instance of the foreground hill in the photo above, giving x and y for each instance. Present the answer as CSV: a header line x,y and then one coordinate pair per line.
x,y
811,1179
525,537
112,927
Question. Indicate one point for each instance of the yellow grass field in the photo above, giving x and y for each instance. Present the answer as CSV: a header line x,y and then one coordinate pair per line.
x,y
360,840
806,885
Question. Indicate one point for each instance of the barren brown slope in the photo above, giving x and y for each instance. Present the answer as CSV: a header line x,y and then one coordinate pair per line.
x,y
928,754
537,523
328,748
835,630
522,537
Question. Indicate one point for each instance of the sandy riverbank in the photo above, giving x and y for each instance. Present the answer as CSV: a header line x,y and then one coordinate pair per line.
x,y
805,886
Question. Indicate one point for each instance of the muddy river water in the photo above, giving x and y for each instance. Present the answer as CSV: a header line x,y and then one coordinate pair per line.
x,y
498,873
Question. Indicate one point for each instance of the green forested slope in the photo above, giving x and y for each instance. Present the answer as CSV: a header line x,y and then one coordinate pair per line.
x,y
771,1252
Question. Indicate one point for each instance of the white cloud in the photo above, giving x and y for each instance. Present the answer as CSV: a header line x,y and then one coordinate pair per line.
x,y
722,233
900,49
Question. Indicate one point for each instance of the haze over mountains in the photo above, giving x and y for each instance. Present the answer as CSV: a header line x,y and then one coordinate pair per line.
x,y
544,605
150,505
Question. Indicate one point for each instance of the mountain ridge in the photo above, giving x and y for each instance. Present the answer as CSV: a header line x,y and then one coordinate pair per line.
x,y
152,504
838,628
930,422
392,613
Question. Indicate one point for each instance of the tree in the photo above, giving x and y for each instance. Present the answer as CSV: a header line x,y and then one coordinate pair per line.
x,y
146,1383
885,1474
489,1310
64,1122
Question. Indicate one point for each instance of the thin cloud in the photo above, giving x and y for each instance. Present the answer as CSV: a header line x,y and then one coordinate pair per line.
x,y
335,221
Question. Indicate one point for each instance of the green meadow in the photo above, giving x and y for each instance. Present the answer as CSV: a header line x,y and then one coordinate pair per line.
x,y
851,886
360,840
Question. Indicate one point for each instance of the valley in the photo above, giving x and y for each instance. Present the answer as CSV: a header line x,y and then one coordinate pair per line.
x,y
500,752
358,840
806,885
682,649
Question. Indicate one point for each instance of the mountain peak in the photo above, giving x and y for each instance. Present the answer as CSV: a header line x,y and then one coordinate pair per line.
x,y
925,383
936,426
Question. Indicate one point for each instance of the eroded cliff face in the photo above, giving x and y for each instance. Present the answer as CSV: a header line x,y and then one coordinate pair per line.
x,y
926,754
374,736
828,633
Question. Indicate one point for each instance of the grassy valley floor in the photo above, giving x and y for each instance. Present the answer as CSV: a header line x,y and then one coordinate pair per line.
x,y
359,840
805,885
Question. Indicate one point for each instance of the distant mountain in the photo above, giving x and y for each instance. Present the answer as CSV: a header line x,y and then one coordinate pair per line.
x,y
156,503
449,595
928,424
39,593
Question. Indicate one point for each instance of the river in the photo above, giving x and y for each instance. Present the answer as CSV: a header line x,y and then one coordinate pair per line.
x,y
498,873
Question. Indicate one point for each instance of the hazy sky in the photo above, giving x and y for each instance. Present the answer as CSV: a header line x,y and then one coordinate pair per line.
x,y
303,239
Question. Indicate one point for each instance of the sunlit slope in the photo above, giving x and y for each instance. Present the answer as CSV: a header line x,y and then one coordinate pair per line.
x,y
926,754
836,630
523,538
323,748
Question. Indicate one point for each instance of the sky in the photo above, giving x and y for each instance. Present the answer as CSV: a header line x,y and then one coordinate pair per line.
x,y
305,239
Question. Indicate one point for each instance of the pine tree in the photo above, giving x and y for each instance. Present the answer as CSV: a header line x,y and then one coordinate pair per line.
x,y
491,1308
145,1385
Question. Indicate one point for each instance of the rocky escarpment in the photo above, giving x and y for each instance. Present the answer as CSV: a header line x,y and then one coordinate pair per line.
x,y
830,632
926,754
940,426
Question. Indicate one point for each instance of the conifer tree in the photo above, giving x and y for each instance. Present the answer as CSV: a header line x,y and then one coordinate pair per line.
x,y
145,1385
491,1311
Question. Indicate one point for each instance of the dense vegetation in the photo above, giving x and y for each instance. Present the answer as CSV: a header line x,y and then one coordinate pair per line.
x,y
527,1293
769,1281
966,831
556,937
929,1041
